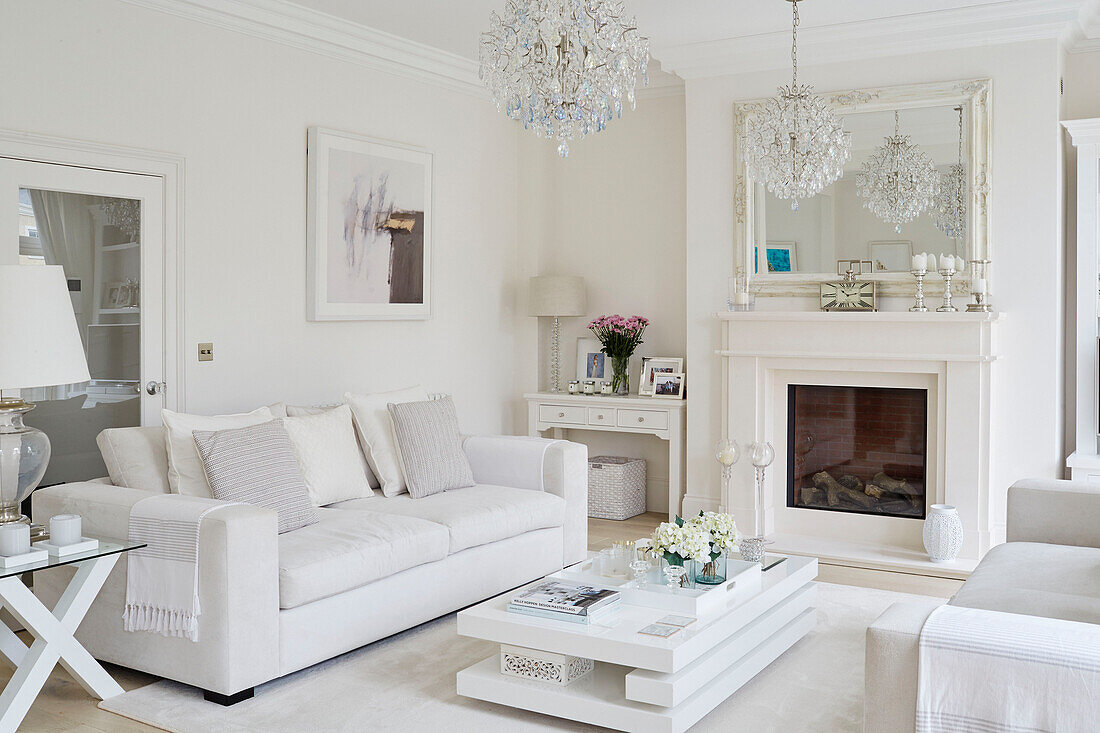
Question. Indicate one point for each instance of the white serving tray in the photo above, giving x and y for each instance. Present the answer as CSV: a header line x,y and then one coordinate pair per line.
x,y
742,581
12,561
85,545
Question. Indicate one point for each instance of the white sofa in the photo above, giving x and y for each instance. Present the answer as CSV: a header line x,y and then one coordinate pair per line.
x,y
274,604
1050,567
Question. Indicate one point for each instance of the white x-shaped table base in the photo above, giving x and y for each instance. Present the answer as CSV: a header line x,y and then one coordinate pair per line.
x,y
54,640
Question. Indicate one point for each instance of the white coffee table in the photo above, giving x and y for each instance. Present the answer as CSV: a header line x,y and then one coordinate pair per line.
x,y
639,682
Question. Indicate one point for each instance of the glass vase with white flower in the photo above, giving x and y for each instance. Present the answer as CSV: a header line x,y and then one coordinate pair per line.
x,y
619,338
724,538
680,545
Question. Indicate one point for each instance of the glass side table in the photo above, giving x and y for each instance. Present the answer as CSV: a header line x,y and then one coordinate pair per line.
x,y
53,631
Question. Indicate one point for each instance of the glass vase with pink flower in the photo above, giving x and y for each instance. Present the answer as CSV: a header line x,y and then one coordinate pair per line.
x,y
619,337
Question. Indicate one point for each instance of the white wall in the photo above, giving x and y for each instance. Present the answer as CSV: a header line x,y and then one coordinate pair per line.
x,y
1026,231
613,212
237,108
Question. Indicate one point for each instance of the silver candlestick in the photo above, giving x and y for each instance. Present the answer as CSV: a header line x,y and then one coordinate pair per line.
x,y
947,307
918,306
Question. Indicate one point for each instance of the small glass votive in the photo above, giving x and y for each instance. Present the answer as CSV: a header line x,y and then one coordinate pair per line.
x,y
574,386
640,570
15,539
65,529
590,386
605,387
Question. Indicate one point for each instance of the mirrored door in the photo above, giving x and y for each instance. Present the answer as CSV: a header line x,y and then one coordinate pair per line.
x,y
105,230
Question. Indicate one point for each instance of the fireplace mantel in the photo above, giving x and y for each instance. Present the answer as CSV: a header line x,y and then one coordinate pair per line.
x,y
951,355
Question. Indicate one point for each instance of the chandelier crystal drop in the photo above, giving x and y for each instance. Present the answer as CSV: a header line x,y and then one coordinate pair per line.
x,y
898,181
949,209
563,67
795,145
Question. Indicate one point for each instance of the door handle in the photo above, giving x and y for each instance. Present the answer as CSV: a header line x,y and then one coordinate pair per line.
x,y
154,387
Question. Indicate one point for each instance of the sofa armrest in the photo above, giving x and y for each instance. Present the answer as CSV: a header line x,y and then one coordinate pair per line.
x,y
1055,512
890,674
557,467
238,592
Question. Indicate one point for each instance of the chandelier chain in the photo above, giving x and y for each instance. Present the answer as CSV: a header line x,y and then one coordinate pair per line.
x,y
794,43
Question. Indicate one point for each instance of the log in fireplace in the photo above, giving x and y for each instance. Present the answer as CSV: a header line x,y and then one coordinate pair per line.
x,y
857,449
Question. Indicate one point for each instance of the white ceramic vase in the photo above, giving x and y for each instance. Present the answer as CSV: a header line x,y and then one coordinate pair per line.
x,y
943,533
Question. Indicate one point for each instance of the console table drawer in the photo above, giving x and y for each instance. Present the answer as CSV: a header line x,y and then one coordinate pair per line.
x,y
568,414
601,415
655,419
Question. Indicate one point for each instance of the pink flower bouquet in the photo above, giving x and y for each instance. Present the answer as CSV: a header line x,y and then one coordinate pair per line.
x,y
620,337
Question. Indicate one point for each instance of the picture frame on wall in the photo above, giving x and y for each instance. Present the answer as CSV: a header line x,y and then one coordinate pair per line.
x,y
778,257
657,365
592,363
369,223
890,255
669,386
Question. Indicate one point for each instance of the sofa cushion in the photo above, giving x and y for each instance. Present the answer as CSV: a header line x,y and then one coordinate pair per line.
x,y
1036,579
372,422
429,446
136,458
346,550
476,515
185,474
328,452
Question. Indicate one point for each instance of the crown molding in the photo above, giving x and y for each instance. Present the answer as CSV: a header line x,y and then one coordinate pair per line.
x,y
1083,35
284,22
1083,132
1007,21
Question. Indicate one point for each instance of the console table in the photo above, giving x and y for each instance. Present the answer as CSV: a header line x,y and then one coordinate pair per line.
x,y
559,411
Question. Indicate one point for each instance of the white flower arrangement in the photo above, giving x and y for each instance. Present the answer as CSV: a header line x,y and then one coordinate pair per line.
x,y
722,530
686,541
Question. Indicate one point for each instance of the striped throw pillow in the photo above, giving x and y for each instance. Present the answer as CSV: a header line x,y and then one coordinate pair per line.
x,y
429,446
256,465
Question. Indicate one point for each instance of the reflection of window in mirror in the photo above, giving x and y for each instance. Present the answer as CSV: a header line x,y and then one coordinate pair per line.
x,y
835,224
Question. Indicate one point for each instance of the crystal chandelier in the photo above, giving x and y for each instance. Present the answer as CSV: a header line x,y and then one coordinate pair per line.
x,y
563,67
898,180
949,209
795,145
124,214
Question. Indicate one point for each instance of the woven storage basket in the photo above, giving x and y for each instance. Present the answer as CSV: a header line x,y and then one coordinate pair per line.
x,y
616,487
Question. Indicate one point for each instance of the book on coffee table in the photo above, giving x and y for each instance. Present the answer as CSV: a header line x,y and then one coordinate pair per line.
x,y
573,599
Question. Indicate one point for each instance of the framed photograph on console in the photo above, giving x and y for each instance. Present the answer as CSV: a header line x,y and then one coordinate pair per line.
x,y
592,363
669,386
369,223
652,365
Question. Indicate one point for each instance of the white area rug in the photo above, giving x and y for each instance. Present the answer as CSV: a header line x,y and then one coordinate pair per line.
x,y
407,683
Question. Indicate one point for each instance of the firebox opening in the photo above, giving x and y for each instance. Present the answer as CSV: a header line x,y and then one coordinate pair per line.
x,y
857,449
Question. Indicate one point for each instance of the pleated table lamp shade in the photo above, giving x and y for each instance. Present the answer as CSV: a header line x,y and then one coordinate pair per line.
x,y
557,295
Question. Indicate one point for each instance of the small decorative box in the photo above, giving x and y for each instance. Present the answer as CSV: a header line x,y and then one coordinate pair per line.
x,y
549,667
85,545
12,561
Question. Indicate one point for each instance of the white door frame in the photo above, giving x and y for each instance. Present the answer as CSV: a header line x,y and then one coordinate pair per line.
x,y
170,169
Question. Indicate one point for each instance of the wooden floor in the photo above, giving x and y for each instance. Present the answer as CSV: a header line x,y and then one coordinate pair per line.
x,y
64,706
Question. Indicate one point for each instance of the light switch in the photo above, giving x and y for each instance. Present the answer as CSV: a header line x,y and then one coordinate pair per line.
x,y
206,352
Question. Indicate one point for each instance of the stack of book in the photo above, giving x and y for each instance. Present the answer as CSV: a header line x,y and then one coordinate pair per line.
x,y
579,604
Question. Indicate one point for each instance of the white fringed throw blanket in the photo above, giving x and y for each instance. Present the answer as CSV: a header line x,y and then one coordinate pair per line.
x,y
992,672
162,579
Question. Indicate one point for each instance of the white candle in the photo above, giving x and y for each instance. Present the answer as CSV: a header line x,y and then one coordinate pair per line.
x,y
913,264
727,458
979,287
65,529
15,539
922,261
931,262
741,298
960,263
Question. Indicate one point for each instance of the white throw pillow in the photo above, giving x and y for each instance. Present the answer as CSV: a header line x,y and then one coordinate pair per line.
x,y
185,474
372,421
303,410
328,453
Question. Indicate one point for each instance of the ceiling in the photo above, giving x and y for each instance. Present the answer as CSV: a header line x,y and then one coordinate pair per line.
x,y
691,36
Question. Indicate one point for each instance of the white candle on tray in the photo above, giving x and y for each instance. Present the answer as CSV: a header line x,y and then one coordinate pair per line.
x,y
65,529
15,539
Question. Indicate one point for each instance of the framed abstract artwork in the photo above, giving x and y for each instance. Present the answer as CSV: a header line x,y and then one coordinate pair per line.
x,y
369,222
778,257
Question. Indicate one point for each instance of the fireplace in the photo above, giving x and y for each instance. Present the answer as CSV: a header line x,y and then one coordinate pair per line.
x,y
857,449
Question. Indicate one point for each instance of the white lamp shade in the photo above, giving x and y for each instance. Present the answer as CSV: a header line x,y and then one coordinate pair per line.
x,y
40,342
557,295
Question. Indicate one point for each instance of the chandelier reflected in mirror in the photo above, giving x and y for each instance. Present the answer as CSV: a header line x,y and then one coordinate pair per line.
x,y
949,209
124,214
795,145
898,181
563,67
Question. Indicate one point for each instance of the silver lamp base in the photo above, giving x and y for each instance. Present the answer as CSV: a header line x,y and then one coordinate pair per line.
x,y
24,455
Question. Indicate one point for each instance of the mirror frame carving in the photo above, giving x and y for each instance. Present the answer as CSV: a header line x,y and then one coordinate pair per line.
x,y
975,97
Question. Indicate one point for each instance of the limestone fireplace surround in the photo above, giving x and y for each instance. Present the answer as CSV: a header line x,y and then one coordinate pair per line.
x,y
951,355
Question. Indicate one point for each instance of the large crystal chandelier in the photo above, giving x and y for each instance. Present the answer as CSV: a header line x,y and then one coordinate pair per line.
x,y
949,209
898,180
795,145
124,214
563,67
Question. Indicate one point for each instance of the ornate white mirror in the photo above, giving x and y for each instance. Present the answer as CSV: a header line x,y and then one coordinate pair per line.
x,y
787,251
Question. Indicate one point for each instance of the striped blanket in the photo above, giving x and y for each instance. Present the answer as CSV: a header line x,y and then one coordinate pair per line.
x,y
162,578
992,672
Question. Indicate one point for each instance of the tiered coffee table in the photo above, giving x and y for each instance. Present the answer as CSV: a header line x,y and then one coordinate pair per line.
x,y
633,682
